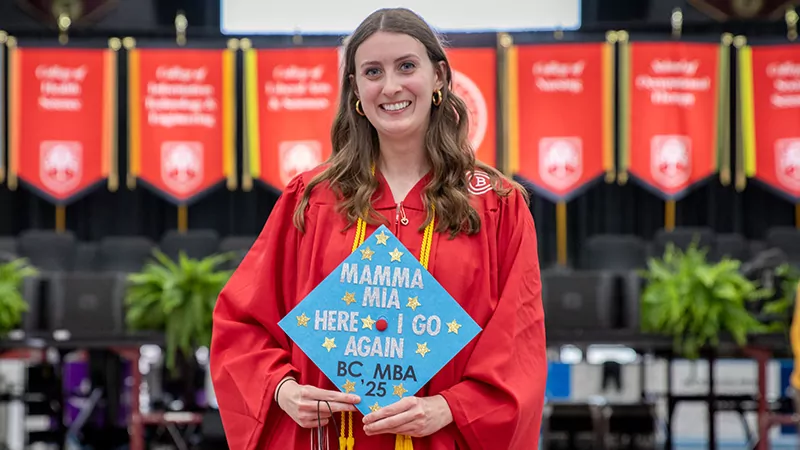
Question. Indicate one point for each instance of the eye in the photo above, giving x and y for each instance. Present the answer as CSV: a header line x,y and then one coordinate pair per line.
x,y
407,66
372,72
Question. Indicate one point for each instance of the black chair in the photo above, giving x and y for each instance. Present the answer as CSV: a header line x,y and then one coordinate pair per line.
x,y
239,245
8,248
733,246
631,286
212,431
617,252
574,422
194,243
33,293
682,237
579,300
788,240
87,305
633,422
126,254
48,250
85,256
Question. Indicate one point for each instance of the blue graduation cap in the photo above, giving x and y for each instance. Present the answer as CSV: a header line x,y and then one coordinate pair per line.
x,y
380,325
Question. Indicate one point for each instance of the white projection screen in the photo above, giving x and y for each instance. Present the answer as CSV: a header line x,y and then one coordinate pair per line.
x,y
258,17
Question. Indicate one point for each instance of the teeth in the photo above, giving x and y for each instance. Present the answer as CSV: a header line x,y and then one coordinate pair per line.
x,y
396,106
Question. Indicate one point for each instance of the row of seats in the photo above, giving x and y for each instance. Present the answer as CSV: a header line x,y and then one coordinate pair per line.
x,y
49,250
605,293
571,425
75,305
52,251
591,300
626,252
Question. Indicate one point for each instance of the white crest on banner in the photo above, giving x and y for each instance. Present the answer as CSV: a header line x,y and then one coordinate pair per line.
x,y
787,162
671,160
297,157
560,161
182,165
465,88
60,165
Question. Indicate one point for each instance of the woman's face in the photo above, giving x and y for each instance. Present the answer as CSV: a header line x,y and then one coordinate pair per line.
x,y
395,80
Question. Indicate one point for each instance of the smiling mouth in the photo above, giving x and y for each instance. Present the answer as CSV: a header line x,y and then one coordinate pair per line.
x,y
394,107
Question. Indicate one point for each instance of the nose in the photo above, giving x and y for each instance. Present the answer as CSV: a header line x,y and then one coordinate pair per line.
x,y
392,85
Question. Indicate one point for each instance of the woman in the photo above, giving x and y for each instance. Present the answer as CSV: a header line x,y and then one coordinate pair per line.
x,y
401,157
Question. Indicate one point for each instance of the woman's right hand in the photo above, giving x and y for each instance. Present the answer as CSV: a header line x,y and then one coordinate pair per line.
x,y
300,402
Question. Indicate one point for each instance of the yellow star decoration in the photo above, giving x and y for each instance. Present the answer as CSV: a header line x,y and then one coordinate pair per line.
x,y
374,407
329,344
302,320
422,349
349,387
399,390
396,254
367,254
349,298
382,238
453,327
413,302
368,322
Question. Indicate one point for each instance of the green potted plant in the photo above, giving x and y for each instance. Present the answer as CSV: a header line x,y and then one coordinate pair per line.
x,y
695,301
12,302
177,298
781,309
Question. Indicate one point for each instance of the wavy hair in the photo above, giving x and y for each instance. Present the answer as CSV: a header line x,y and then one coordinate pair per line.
x,y
356,148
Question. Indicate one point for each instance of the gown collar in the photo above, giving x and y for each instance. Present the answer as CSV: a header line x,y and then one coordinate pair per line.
x,y
383,198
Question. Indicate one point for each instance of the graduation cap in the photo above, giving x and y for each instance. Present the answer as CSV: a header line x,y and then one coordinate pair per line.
x,y
380,325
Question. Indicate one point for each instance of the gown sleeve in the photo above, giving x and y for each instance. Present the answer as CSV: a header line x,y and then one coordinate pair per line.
x,y
249,353
498,402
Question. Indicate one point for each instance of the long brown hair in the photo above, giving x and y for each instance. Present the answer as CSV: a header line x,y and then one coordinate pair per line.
x,y
356,147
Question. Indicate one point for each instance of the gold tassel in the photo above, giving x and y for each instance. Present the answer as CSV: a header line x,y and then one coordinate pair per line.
x,y
342,438
402,442
347,442
351,441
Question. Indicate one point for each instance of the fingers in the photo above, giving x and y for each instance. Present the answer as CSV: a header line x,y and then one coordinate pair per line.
x,y
309,417
394,424
391,410
312,407
314,393
338,407
312,423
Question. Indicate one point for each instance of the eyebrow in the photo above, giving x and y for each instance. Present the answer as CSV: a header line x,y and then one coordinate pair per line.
x,y
406,56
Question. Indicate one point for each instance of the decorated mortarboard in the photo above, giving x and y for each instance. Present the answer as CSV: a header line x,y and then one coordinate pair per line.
x,y
380,325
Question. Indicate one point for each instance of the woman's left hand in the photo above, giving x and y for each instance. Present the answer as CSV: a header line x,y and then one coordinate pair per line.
x,y
411,416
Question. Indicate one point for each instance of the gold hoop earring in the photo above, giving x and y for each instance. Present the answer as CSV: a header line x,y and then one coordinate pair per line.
x,y
358,108
438,97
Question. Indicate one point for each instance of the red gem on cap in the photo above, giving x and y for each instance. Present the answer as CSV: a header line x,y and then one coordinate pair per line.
x,y
381,325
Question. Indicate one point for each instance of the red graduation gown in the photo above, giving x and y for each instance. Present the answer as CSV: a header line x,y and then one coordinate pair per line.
x,y
494,386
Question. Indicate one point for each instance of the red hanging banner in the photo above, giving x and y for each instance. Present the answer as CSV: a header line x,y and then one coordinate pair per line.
x,y
3,38
670,121
561,116
62,120
769,93
181,116
475,81
291,97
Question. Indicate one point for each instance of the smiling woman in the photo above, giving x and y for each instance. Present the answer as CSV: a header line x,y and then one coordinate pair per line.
x,y
401,159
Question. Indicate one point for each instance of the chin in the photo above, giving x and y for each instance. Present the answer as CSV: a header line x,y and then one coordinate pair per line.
x,y
399,129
